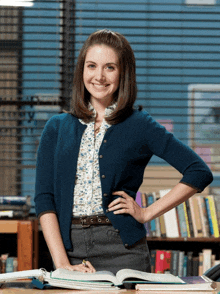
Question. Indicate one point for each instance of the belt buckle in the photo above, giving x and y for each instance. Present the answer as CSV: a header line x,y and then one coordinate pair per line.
x,y
83,223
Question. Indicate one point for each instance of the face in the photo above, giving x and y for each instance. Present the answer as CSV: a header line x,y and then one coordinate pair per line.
x,y
101,73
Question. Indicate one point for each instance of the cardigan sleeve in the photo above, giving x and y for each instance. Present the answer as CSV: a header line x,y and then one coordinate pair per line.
x,y
44,185
164,144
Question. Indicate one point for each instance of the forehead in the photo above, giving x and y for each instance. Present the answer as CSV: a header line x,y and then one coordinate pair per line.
x,y
101,53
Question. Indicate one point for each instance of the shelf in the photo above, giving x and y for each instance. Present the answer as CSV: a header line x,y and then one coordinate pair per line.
x,y
204,240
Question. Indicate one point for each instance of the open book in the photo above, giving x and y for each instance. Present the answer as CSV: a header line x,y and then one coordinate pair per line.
x,y
100,280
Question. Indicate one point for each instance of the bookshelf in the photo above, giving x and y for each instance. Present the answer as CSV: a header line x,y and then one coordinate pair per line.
x,y
27,241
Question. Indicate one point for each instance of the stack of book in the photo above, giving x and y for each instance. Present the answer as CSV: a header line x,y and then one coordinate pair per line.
x,y
197,217
14,206
180,263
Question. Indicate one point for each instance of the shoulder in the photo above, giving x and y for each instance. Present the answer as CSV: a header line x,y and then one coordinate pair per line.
x,y
141,117
59,119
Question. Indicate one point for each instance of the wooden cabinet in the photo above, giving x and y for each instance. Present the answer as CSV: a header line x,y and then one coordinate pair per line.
x,y
27,241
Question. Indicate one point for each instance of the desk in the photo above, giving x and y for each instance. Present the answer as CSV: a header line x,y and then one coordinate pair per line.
x,y
27,241
21,290
57,291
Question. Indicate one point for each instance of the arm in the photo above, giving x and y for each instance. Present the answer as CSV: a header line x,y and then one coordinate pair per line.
x,y
51,231
126,204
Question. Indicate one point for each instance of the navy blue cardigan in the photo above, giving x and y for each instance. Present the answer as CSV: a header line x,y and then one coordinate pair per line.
x,y
126,149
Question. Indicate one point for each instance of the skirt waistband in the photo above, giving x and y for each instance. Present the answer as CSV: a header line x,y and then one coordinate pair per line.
x,y
87,221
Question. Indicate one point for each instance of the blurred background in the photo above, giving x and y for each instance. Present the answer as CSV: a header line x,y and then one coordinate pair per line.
x,y
177,49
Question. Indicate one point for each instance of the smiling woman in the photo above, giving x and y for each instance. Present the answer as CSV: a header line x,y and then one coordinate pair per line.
x,y
91,163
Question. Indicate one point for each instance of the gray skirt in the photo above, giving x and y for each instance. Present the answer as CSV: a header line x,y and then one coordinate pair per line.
x,y
103,247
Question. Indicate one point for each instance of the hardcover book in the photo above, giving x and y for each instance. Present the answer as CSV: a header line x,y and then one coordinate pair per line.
x,y
104,280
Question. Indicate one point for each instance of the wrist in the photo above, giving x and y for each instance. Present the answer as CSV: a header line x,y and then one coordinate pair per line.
x,y
147,215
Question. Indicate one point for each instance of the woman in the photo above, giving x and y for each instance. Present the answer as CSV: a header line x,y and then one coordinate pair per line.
x,y
91,163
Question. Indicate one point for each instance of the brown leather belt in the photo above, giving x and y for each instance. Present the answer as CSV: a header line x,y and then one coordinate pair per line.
x,y
87,221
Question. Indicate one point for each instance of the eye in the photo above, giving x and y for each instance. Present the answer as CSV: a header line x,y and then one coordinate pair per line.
x,y
110,67
91,65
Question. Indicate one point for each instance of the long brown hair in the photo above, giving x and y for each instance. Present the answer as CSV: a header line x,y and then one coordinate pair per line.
x,y
127,91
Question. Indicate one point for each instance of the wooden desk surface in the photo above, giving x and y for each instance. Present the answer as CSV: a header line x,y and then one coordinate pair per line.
x,y
16,289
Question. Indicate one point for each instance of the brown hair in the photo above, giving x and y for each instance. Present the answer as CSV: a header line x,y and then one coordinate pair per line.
x,y
127,91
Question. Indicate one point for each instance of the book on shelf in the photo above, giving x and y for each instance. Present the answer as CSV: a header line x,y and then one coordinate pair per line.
x,y
104,280
203,216
195,283
150,200
213,215
181,263
170,218
14,206
197,217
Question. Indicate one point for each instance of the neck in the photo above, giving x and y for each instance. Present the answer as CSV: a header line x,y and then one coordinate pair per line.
x,y
100,107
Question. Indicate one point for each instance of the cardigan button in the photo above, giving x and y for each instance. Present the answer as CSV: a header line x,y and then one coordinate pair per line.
x,y
117,231
126,245
105,194
100,156
103,176
105,141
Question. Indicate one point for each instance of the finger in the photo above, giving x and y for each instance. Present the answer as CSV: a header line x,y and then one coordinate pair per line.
x,y
121,193
118,206
120,211
117,201
90,266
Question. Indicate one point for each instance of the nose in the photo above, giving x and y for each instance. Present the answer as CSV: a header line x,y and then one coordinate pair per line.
x,y
100,74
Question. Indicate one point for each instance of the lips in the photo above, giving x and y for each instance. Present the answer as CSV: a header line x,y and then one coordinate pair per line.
x,y
100,85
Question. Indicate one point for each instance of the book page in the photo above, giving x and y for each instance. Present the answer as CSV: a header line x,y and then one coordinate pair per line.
x,y
63,274
157,278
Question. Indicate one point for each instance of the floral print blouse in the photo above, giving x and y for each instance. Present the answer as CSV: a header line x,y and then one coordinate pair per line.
x,y
88,190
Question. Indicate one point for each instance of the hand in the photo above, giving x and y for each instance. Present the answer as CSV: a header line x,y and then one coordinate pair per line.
x,y
126,204
84,268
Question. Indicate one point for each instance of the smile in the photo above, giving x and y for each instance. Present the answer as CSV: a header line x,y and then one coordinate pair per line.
x,y
100,86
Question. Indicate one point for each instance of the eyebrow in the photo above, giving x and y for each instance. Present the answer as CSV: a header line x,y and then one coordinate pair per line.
x,y
109,63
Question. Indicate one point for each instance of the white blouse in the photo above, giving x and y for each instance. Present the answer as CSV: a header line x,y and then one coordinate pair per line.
x,y
88,190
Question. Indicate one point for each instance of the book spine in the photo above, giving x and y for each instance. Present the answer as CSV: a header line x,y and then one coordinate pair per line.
x,y
217,208
187,220
9,265
200,263
195,268
209,216
13,200
202,217
170,219
153,260
180,265
191,207
189,263
157,220
160,258
205,214
174,262
182,220
197,216
150,200
167,262
162,226
213,216
185,265
207,253
145,204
